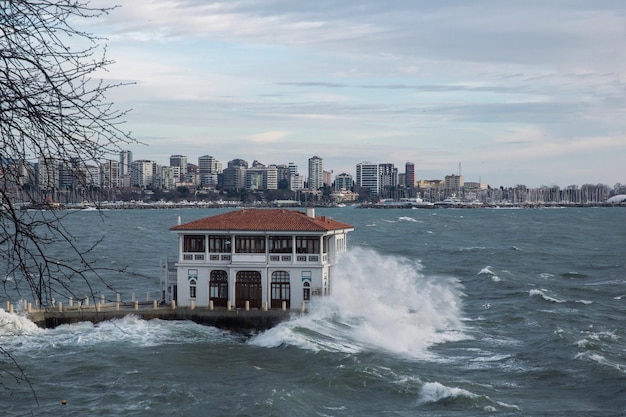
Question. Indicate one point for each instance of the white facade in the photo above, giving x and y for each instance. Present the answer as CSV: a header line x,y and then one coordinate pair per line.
x,y
283,258
368,176
142,173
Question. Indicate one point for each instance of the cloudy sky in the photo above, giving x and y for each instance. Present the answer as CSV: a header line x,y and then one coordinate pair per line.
x,y
516,92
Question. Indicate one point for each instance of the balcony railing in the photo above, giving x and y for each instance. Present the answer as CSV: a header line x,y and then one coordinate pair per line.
x,y
224,258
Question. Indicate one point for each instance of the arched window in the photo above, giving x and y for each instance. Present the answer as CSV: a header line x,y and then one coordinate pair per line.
x,y
306,291
192,288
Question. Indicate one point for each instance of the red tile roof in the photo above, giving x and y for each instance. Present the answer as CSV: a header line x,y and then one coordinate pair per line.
x,y
265,220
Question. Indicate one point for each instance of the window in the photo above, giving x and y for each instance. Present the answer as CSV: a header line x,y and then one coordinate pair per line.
x,y
280,244
306,291
192,288
193,243
219,244
250,244
248,288
307,244
218,288
281,290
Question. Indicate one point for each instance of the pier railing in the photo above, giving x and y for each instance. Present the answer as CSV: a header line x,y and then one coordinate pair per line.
x,y
104,304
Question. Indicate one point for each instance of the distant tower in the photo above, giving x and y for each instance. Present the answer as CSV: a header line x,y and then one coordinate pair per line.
x,y
367,176
316,173
208,168
409,175
126,159
181,162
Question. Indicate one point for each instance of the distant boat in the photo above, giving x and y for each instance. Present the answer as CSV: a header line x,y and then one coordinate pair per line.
x,y
449,201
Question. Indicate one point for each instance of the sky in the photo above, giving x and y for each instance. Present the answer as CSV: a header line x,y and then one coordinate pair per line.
x,y
504,92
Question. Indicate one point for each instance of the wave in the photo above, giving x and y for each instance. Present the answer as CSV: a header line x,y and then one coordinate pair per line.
x,y
435,392
487,271
408,219
378,302
542,294
129,331
12,324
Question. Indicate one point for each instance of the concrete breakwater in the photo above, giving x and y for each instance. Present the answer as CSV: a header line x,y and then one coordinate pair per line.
x,y
240,319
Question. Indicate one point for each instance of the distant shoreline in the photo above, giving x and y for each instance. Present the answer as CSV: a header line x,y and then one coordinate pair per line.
x,y
161,205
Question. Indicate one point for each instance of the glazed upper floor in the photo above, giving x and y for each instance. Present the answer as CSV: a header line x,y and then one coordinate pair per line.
x,y
260,248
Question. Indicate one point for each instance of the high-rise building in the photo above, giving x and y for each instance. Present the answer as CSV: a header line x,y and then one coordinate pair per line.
x,y
93,176
142,173
126,161
454,182
296,182
48,173
316,173
343,181
409,175
368,176
208,168
261,178
234,176
293,168
328,178
110,174
179,161
126,158
388,175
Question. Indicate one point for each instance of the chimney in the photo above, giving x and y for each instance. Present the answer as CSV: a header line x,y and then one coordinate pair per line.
x,y
310,212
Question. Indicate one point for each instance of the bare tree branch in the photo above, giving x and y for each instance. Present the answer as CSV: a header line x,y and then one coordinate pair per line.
x,y
53,110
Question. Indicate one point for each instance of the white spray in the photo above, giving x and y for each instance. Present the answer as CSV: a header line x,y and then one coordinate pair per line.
x,y
377,303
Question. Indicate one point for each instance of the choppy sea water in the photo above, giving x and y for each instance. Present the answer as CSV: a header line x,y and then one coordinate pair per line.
x,y
433,312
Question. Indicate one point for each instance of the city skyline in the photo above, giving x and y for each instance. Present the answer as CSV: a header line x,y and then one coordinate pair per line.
x,y
517,92
303,169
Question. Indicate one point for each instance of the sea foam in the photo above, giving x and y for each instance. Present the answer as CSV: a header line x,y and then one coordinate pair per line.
x,y
377,302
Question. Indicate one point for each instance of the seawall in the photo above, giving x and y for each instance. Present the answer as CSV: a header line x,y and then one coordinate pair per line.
x,y
240,320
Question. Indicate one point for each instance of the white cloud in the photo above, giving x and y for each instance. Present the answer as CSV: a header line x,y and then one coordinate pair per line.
x,y
501,85
269,137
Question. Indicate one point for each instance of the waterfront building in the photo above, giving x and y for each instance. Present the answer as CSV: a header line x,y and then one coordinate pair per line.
x,y
262,258
316,173
368,176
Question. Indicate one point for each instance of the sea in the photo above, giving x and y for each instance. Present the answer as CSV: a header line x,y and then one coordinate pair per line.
x,y
432,312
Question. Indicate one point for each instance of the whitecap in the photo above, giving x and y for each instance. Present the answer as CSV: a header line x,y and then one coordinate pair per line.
x,y
541,293
433,392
